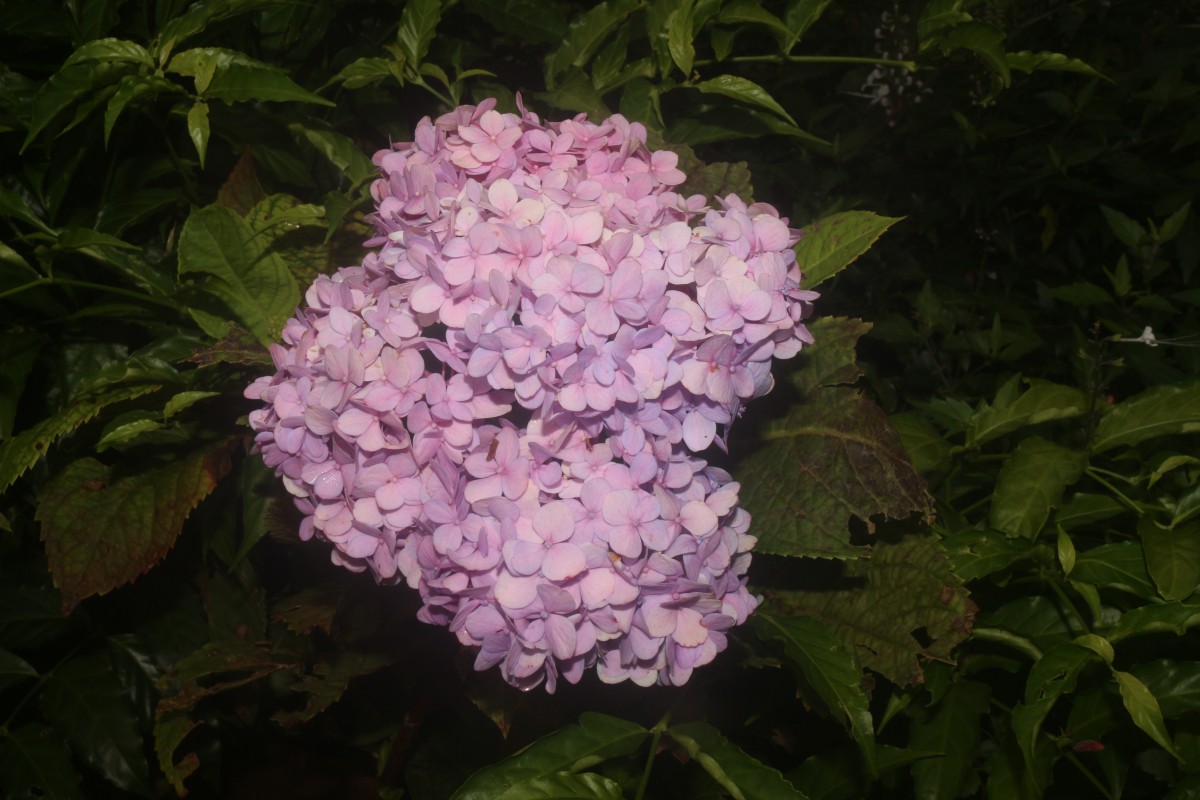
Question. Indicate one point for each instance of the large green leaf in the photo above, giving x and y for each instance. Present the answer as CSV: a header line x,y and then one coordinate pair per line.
x,y
1172,557
1120,565
742,775
573,748
679,38
1159,411
801,14
985,41
34,762
67,87
25,449
924,443
339,150
831,244
1031,482
751,12
904,587
418,24
104,527
88,705
953,730
1042,402
585,35
829,668
255,283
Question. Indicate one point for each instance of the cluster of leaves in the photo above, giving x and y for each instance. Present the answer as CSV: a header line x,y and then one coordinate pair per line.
x,y
977,564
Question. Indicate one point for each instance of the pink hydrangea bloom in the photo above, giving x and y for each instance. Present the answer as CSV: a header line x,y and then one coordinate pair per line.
x,y
504,404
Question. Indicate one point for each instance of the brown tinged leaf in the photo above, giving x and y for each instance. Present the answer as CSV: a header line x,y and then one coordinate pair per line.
x,y
237,347
834,456
328,682
241,190
103,530
310,609
169,732
901,605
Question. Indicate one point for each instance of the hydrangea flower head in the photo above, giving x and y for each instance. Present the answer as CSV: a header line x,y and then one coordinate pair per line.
x,y
505,405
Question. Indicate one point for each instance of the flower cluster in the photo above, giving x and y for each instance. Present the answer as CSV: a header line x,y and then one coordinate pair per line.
x,y
504,403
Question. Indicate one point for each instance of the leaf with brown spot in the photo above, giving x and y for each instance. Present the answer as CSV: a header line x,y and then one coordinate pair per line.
x,y
102,529
309,609
905,587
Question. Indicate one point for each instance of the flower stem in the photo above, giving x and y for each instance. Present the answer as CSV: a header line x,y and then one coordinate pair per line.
x,y
657,731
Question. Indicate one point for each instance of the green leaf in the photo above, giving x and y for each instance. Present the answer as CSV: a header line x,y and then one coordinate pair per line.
x,y
939,15
198,16
975,554
141,515
14,670
30,616
239,83
1027,61
106,50
126,427
1042,402
1143,708
925,445
564,786
743,776
366,71
86,702
418,24
255,283
1081,293
904,587
530,20
198,130
679,38
64,89
131,88
953,730
339,150
750,12
1164,410
983,40
585,35
573,748
1086,509
1175,684
34,762
802,14
1176,618
1173,225
1121,565
1128,232
744,91
1172,558
185,400
1031,482
24,450
828,668
829,245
